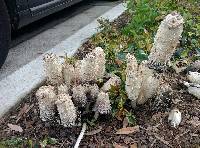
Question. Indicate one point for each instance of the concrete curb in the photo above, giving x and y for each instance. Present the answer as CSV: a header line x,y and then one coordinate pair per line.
x,y
20,83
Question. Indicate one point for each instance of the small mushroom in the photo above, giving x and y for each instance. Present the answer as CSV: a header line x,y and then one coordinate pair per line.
x,y
194,77
193,89
174,117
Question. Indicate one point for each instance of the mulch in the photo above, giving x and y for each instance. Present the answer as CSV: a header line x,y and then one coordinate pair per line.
x,y
154,128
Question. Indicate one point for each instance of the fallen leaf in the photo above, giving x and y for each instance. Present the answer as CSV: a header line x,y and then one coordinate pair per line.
x,y
94,132
120,114
23,111
127,130
133,145
16,128
125,122
118,62
118,146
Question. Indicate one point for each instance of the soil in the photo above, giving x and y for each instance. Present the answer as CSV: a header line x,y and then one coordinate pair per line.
x,y
154,128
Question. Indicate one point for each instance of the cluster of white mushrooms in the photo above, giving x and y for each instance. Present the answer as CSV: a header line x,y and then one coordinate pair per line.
x,y
141,84
72,86
69,85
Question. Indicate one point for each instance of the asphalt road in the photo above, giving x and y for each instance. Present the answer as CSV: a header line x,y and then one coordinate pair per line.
x,y
35,39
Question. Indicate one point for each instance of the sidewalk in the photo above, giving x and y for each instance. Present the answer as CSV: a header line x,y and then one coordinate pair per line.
x,y
19,84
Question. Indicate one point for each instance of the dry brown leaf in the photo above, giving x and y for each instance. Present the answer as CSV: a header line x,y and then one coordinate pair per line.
x,y
23,111
125,122
120,114
133,145
16,128
118,146
127,130
94,132
118,62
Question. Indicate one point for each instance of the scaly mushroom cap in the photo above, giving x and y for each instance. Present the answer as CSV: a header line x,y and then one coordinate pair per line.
x,y
53,69
67,110
87,70
166,39
194,77
133,80
92,67
93,90
103,105
149,84
79,95
174,20
63,89
100,62
46,99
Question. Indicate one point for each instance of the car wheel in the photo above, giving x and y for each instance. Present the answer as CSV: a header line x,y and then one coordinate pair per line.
x,y
5,32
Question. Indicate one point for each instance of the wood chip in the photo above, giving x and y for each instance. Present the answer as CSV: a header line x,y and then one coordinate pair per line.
x,y
16,128
133,145
94,132
128,130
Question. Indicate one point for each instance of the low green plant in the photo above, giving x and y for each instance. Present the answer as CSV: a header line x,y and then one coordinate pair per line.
x,y
146,16
18,142
137,38
115,44
10,143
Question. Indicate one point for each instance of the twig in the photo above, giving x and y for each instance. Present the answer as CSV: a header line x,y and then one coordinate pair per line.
x,y
153,143
94,132
80,137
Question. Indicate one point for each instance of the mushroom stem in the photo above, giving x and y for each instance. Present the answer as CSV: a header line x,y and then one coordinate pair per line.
x,y
80,137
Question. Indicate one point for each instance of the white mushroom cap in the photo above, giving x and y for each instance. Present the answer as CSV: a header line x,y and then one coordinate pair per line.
x,y
63,89
66,109
174,117
79,95
103,105
46,100
194,77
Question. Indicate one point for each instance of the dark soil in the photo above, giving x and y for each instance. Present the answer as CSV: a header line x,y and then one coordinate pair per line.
x,y
154,129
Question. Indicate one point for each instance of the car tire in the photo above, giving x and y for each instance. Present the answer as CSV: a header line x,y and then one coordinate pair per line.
x,y
5,32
